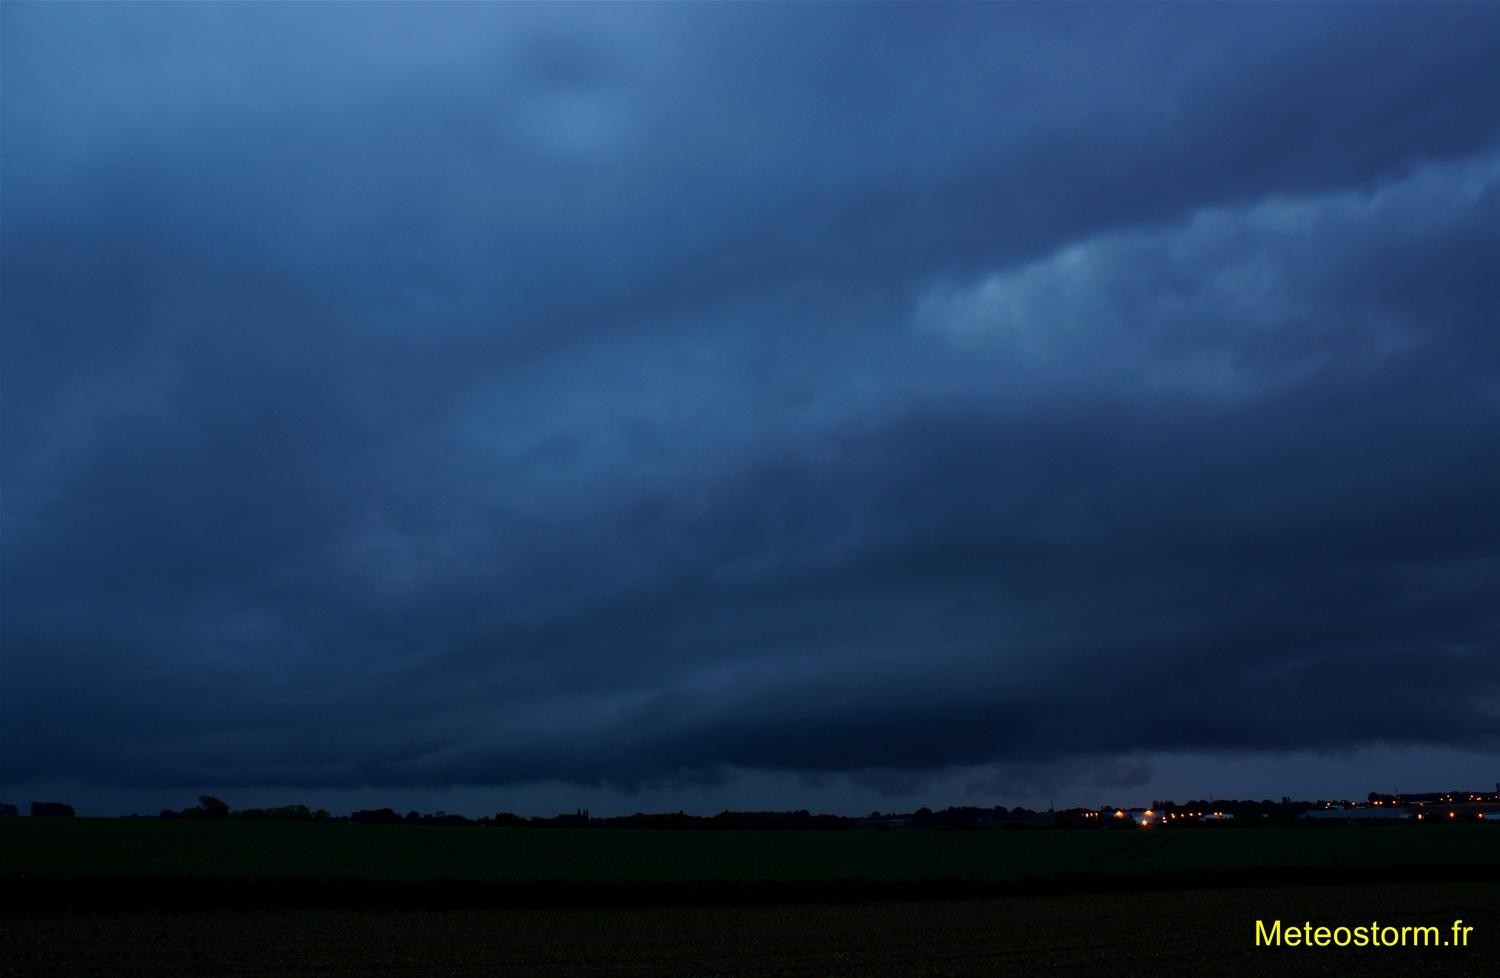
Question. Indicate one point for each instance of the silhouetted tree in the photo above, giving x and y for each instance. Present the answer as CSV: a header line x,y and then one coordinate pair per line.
x,y
8,811
283,813
212,807
51,809
379,816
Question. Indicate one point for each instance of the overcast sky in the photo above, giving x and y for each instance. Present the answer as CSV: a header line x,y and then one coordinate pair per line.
x,y
689,406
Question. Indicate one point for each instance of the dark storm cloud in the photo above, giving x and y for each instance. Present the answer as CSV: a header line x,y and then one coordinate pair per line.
x,y
503,394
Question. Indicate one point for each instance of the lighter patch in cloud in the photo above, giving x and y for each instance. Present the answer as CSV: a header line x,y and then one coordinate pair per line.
x,y
1188,308
1017,310
575,125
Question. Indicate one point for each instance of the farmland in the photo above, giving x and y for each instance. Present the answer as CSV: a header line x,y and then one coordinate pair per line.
x,y
147,897
1175,932
229,851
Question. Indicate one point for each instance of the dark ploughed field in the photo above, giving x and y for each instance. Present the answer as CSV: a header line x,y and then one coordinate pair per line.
x,y
174,898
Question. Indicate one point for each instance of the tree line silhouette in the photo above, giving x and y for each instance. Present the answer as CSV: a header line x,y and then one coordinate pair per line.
x,y
961,817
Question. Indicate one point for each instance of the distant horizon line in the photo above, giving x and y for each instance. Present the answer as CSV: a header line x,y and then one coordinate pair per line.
x,y
1453,796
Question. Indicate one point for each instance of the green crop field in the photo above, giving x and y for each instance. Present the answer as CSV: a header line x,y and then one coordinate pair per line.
x,y
97,897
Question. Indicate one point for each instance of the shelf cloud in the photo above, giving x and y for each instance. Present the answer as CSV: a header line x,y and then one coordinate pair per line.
x,y
505,396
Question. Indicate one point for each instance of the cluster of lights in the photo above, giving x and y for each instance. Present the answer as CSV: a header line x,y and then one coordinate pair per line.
x,y
1446,799
1149,817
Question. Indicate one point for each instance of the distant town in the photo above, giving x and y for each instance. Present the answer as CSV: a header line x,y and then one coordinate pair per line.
x,y
1434,808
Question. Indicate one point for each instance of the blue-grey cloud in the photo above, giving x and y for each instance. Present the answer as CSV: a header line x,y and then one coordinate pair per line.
x,y
506,395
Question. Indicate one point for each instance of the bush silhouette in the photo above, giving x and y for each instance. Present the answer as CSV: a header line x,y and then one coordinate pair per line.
x,y
212,807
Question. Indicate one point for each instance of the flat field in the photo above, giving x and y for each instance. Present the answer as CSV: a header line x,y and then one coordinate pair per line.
x,y
532,865
87,897
1179,932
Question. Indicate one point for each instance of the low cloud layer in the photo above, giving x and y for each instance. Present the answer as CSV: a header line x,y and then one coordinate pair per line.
x,y
504,396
